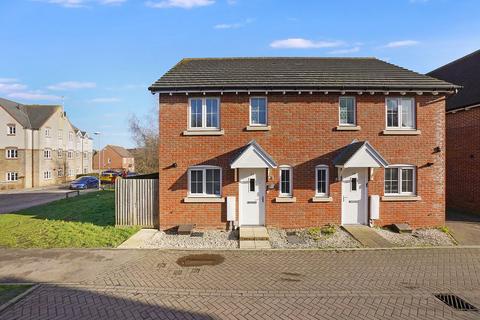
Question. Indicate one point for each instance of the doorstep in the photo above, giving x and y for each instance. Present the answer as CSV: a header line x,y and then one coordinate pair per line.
x,y
254,237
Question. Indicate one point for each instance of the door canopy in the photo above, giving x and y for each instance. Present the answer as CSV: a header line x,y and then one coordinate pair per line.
x,y
253,156
360,154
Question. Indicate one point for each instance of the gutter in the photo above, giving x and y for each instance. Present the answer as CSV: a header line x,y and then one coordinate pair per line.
x,y
463,108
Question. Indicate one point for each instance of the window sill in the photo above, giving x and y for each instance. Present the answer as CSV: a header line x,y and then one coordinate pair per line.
x,y
393,132
401,198
322,199
285,199
204,132
348,128
258,128
203,199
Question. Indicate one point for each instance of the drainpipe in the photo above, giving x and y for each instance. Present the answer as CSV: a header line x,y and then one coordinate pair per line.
x,y
33,160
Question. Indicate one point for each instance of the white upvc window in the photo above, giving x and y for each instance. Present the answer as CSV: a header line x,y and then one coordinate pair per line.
x,y
70,136
11,153
47,154
204,113
85,154
47,132
60,134
347,111
205,181
11,176
400,113
321,181
286,181
400,180
78,154
70,154
47,175
258,111
60,153
71,172
11,129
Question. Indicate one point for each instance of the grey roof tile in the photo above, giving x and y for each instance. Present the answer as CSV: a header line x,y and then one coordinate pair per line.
x,y
293,73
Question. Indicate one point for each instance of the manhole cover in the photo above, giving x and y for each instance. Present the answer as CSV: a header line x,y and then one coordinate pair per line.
x,y
455,302
196,234
294,239
197,260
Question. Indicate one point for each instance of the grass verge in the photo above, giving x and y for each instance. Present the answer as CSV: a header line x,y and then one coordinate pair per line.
x,y
86,221
10,291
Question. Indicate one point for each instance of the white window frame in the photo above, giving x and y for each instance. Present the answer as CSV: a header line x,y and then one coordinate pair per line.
x,y
70,136
204,114
60,134
47,175
11,176
204,182
47,154
47,132
11,153
250,112
400,113
69,154
60,153
11,129
327,182
285,168
399,167
354,112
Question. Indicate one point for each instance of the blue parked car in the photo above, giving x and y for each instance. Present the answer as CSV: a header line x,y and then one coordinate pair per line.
x,y
85,182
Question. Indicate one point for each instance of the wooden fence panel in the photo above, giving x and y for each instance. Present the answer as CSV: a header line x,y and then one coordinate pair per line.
x,y
136,202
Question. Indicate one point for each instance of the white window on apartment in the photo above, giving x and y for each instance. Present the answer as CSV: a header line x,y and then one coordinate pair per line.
x,y
204,113
70,172
400,113
258,111
85,154
321,181
47,154
78,154
70,136
60,153
70,154
11,176
204,181
60,172
286,181
60,134
11,153
85,170
347,113
400,180
47,132
11,129
47,175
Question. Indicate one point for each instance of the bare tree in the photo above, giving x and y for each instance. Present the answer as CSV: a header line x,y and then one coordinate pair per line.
x,y
145,135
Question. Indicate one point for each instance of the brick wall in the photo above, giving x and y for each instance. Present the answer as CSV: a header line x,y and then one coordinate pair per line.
x,y
302,135
463,160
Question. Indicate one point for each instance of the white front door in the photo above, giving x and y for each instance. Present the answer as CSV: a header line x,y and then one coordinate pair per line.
x,y
252,196
354,196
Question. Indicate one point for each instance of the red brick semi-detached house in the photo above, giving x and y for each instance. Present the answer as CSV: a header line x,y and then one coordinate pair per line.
x,y
299,142
463,132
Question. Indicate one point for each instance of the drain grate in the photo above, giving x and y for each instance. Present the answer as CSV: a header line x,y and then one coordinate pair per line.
x,y
455,302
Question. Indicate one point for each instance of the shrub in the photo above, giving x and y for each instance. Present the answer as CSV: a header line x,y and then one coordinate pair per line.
x,y
444,229
328,229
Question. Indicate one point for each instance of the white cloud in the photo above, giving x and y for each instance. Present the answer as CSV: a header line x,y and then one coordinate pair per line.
x,y
14,89
112,2
82,3
232,2
8,80
300,43
184,4
401,43
232,25
34,95
105,100
8,87
345,51
72,85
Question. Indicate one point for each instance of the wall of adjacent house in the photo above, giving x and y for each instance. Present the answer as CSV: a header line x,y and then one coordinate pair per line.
x,y
11,141
463,160
110,159
302,136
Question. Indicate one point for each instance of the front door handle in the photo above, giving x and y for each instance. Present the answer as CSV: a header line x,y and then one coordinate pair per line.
x,y
263,199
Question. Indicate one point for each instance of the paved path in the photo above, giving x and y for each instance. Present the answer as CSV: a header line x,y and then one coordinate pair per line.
x,y
18,200
367,236
150,284
465,227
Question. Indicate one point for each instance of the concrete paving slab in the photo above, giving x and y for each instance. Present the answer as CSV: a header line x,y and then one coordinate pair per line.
x,y
367,236
138,239
247,244
262,244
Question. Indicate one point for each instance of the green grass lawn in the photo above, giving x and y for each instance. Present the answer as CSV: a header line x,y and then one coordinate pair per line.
x,y
8,292
86,221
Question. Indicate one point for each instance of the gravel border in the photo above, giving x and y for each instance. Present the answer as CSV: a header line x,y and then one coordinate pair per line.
x,y
212,239
340,239
418,238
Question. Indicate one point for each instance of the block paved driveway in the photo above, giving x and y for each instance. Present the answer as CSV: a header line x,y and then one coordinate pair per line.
x,y
149,284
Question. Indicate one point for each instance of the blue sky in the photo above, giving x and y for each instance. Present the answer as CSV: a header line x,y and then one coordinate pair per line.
x,y
101,55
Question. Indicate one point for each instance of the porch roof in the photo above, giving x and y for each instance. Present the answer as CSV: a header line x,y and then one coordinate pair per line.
x,y
360,154
253,156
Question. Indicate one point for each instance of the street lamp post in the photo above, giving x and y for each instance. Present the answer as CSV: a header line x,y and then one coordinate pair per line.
x,y
99,153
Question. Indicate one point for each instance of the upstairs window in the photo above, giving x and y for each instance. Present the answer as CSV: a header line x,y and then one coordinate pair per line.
x,y
400,180
70,154
347,111
204,113
11,153
204,181
47,154
11,129
321,181
286,181
47,175
70,136
60,153
400,113
11,176
60,134
47,132
258,111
